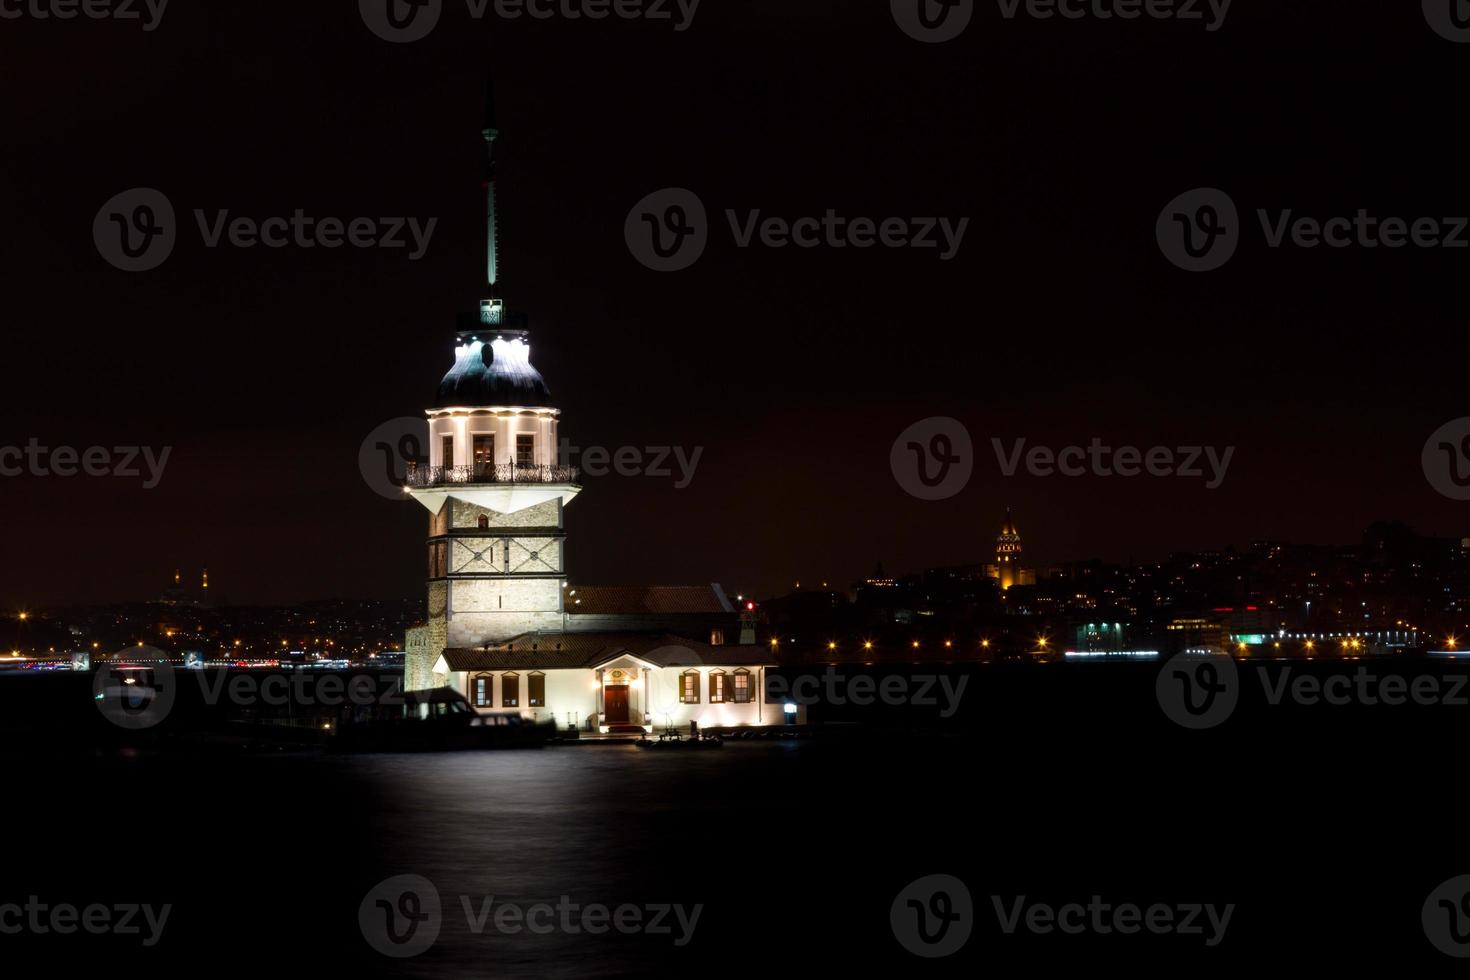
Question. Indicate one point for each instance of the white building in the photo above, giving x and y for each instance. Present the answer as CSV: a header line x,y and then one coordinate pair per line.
x,y
504,627
616,681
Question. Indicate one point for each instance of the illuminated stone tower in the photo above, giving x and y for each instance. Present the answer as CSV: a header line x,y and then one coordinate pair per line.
x,y
1008,554
492,485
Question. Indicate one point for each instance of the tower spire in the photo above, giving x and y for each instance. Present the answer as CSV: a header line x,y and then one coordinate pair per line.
x,y
492,309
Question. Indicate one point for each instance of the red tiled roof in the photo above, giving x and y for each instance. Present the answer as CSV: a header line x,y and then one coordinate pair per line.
x,y
550,651
603,600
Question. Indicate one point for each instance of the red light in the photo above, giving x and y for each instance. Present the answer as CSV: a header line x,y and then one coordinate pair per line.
x,y
750,607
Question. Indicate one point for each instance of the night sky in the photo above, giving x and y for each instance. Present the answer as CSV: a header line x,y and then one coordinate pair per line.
x,y
1058,321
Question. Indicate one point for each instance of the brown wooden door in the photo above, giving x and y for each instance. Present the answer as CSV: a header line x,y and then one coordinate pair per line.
x,y
615,704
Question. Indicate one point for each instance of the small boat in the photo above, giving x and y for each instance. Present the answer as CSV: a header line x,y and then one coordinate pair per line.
x,y
437,720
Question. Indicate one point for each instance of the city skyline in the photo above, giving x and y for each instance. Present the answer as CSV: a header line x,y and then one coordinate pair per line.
x,y
567,487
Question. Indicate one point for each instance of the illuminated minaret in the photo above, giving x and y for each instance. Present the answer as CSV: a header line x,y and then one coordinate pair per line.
x,y
492,486
1008,553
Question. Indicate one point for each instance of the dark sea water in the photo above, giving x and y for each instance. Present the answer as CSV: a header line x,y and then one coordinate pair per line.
x,y
1326,832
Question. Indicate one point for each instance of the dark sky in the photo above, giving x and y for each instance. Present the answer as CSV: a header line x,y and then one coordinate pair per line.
x,y
1058,321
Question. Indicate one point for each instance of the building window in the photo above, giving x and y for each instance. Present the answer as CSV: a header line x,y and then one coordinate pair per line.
x,y
484,522
536,690
717,687
447,452
741,682
689,687
716,637
510,690
482,691
525,450
484,449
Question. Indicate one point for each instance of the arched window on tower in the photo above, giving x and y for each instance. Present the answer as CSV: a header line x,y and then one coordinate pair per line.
x,y
484,521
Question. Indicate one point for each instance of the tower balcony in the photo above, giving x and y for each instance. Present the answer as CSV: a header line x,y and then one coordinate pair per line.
x,y
486,474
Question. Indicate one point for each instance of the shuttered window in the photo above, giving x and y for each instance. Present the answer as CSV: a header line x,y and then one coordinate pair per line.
x,y
536,691
689,687
717,690
510,690
742,689
482,691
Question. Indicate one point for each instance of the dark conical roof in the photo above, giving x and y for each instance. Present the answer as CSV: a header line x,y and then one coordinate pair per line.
x,y
493,368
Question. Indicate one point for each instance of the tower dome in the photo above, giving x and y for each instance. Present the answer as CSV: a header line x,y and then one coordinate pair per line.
x,y
492,367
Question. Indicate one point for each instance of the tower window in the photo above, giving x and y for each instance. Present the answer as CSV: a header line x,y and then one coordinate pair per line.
x,y
447,454
484,521
484,448
525,450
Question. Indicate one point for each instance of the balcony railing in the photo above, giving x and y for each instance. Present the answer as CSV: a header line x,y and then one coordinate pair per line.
x,y
445,476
